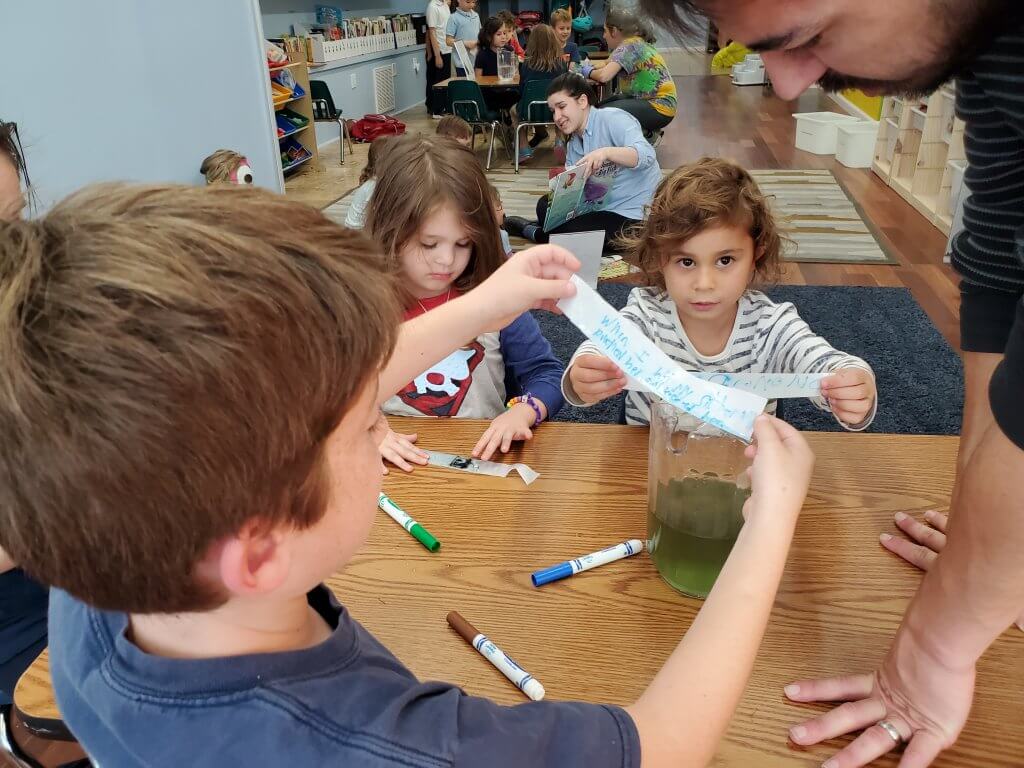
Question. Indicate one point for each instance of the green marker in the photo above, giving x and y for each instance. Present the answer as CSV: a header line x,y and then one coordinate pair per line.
x,y
418,532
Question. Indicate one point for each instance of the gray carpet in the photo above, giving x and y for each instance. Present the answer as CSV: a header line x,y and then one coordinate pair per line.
x,y
919,376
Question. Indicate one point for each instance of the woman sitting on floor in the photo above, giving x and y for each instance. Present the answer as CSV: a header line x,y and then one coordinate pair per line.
x,y
647,90
599,139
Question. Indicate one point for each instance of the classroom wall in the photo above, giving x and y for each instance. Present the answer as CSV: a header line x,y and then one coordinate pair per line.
x,y
136,91
410,88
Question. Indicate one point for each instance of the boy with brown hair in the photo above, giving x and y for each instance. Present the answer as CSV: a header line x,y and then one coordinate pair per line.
x,y
454,127
561,22
508,21
187,399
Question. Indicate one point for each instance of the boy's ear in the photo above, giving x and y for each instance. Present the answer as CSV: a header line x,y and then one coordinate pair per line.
x,y
253,561
758,253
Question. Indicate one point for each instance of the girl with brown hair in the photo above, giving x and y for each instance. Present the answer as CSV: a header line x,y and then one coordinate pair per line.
x,y
544,63
433,216
709,235
494,36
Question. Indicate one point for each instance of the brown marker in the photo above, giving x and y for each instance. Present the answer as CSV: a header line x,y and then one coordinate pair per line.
x,y
518,676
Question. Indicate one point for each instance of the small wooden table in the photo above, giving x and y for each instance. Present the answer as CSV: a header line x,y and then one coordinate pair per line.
x,y
602,635
485,81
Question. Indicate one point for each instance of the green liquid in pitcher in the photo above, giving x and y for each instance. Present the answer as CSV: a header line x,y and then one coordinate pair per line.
x,y
692,525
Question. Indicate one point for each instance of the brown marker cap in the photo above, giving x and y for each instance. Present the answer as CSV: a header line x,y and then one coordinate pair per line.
x,y
463,627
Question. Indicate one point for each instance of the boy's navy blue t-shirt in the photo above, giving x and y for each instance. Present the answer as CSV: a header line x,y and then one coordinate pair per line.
x,y
347,701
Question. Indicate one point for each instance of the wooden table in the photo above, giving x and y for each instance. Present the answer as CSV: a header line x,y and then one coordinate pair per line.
x,y
485,81
602,635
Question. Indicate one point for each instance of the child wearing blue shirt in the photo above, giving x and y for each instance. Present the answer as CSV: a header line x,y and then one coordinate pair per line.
x,y
464,25
188,414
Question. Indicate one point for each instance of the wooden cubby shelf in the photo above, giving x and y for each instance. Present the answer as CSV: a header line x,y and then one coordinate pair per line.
x,y
920,153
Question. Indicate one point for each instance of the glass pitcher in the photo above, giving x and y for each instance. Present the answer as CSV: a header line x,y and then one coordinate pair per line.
x,y
697,485
506,65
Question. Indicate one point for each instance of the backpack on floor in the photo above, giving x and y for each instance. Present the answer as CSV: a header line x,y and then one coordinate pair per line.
x,y
369,127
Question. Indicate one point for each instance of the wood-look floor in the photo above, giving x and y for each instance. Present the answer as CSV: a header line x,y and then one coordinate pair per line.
x,y
755,128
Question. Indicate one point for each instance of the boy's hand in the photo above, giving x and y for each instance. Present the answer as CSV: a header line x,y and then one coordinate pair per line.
x,y
781,471
595,378
536,278
850,393
514,424
396,448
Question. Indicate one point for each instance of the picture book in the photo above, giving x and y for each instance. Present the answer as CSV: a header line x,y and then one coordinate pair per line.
x,y
575,195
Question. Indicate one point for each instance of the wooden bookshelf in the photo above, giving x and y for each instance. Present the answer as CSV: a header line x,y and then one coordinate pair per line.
x,y
917,143
303,105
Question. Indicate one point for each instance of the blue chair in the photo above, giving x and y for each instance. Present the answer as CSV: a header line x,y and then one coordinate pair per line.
x,y
533,111
466,100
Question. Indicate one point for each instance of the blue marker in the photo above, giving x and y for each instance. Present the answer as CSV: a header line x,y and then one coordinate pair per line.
x,y
585,563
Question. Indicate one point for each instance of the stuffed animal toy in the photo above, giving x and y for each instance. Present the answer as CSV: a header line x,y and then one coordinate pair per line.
x,y
225,165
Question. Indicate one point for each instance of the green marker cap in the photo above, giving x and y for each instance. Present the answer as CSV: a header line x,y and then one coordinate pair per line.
x,y
423,537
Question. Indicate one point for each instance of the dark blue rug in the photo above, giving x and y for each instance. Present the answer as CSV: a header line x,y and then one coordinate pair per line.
x,y
919,376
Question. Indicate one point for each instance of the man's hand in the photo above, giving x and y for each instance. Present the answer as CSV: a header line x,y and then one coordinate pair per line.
x,y
930,541
925,701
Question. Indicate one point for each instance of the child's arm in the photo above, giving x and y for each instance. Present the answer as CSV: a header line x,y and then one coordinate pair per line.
x,y
397,448
687,707
793,347
591,377
528,357
449,32
534,278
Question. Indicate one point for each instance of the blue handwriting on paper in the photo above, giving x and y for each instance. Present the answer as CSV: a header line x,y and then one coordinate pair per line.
x,y
730,410
770,385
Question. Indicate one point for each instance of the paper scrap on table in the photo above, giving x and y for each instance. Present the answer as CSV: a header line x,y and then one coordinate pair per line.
x,y
492,468
731,410
773,386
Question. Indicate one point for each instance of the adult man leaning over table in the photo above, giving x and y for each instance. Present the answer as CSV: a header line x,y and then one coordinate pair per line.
x,y
922,692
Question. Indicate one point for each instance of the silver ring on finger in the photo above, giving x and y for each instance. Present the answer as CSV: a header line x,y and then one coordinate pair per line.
x,y
890,729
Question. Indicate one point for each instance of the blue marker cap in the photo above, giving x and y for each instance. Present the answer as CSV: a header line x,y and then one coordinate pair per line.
x,y
554,573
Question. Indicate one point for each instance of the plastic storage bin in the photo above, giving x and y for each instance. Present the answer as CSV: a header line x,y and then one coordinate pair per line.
x,y
855,144
816,131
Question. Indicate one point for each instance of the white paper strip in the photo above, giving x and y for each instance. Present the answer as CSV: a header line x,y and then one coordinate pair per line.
x,y
773,386
731,410
492,468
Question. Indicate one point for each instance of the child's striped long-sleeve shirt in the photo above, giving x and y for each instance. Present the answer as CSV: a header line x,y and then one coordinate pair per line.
x,y
766,338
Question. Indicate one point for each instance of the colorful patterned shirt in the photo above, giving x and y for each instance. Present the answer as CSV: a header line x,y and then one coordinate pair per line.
x,y
645,74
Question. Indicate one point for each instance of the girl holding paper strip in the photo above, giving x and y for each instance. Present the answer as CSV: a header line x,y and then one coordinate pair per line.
x,y
709,234
433,216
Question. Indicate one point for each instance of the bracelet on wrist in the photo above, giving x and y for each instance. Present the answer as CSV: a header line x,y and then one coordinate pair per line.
x,y
531,401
